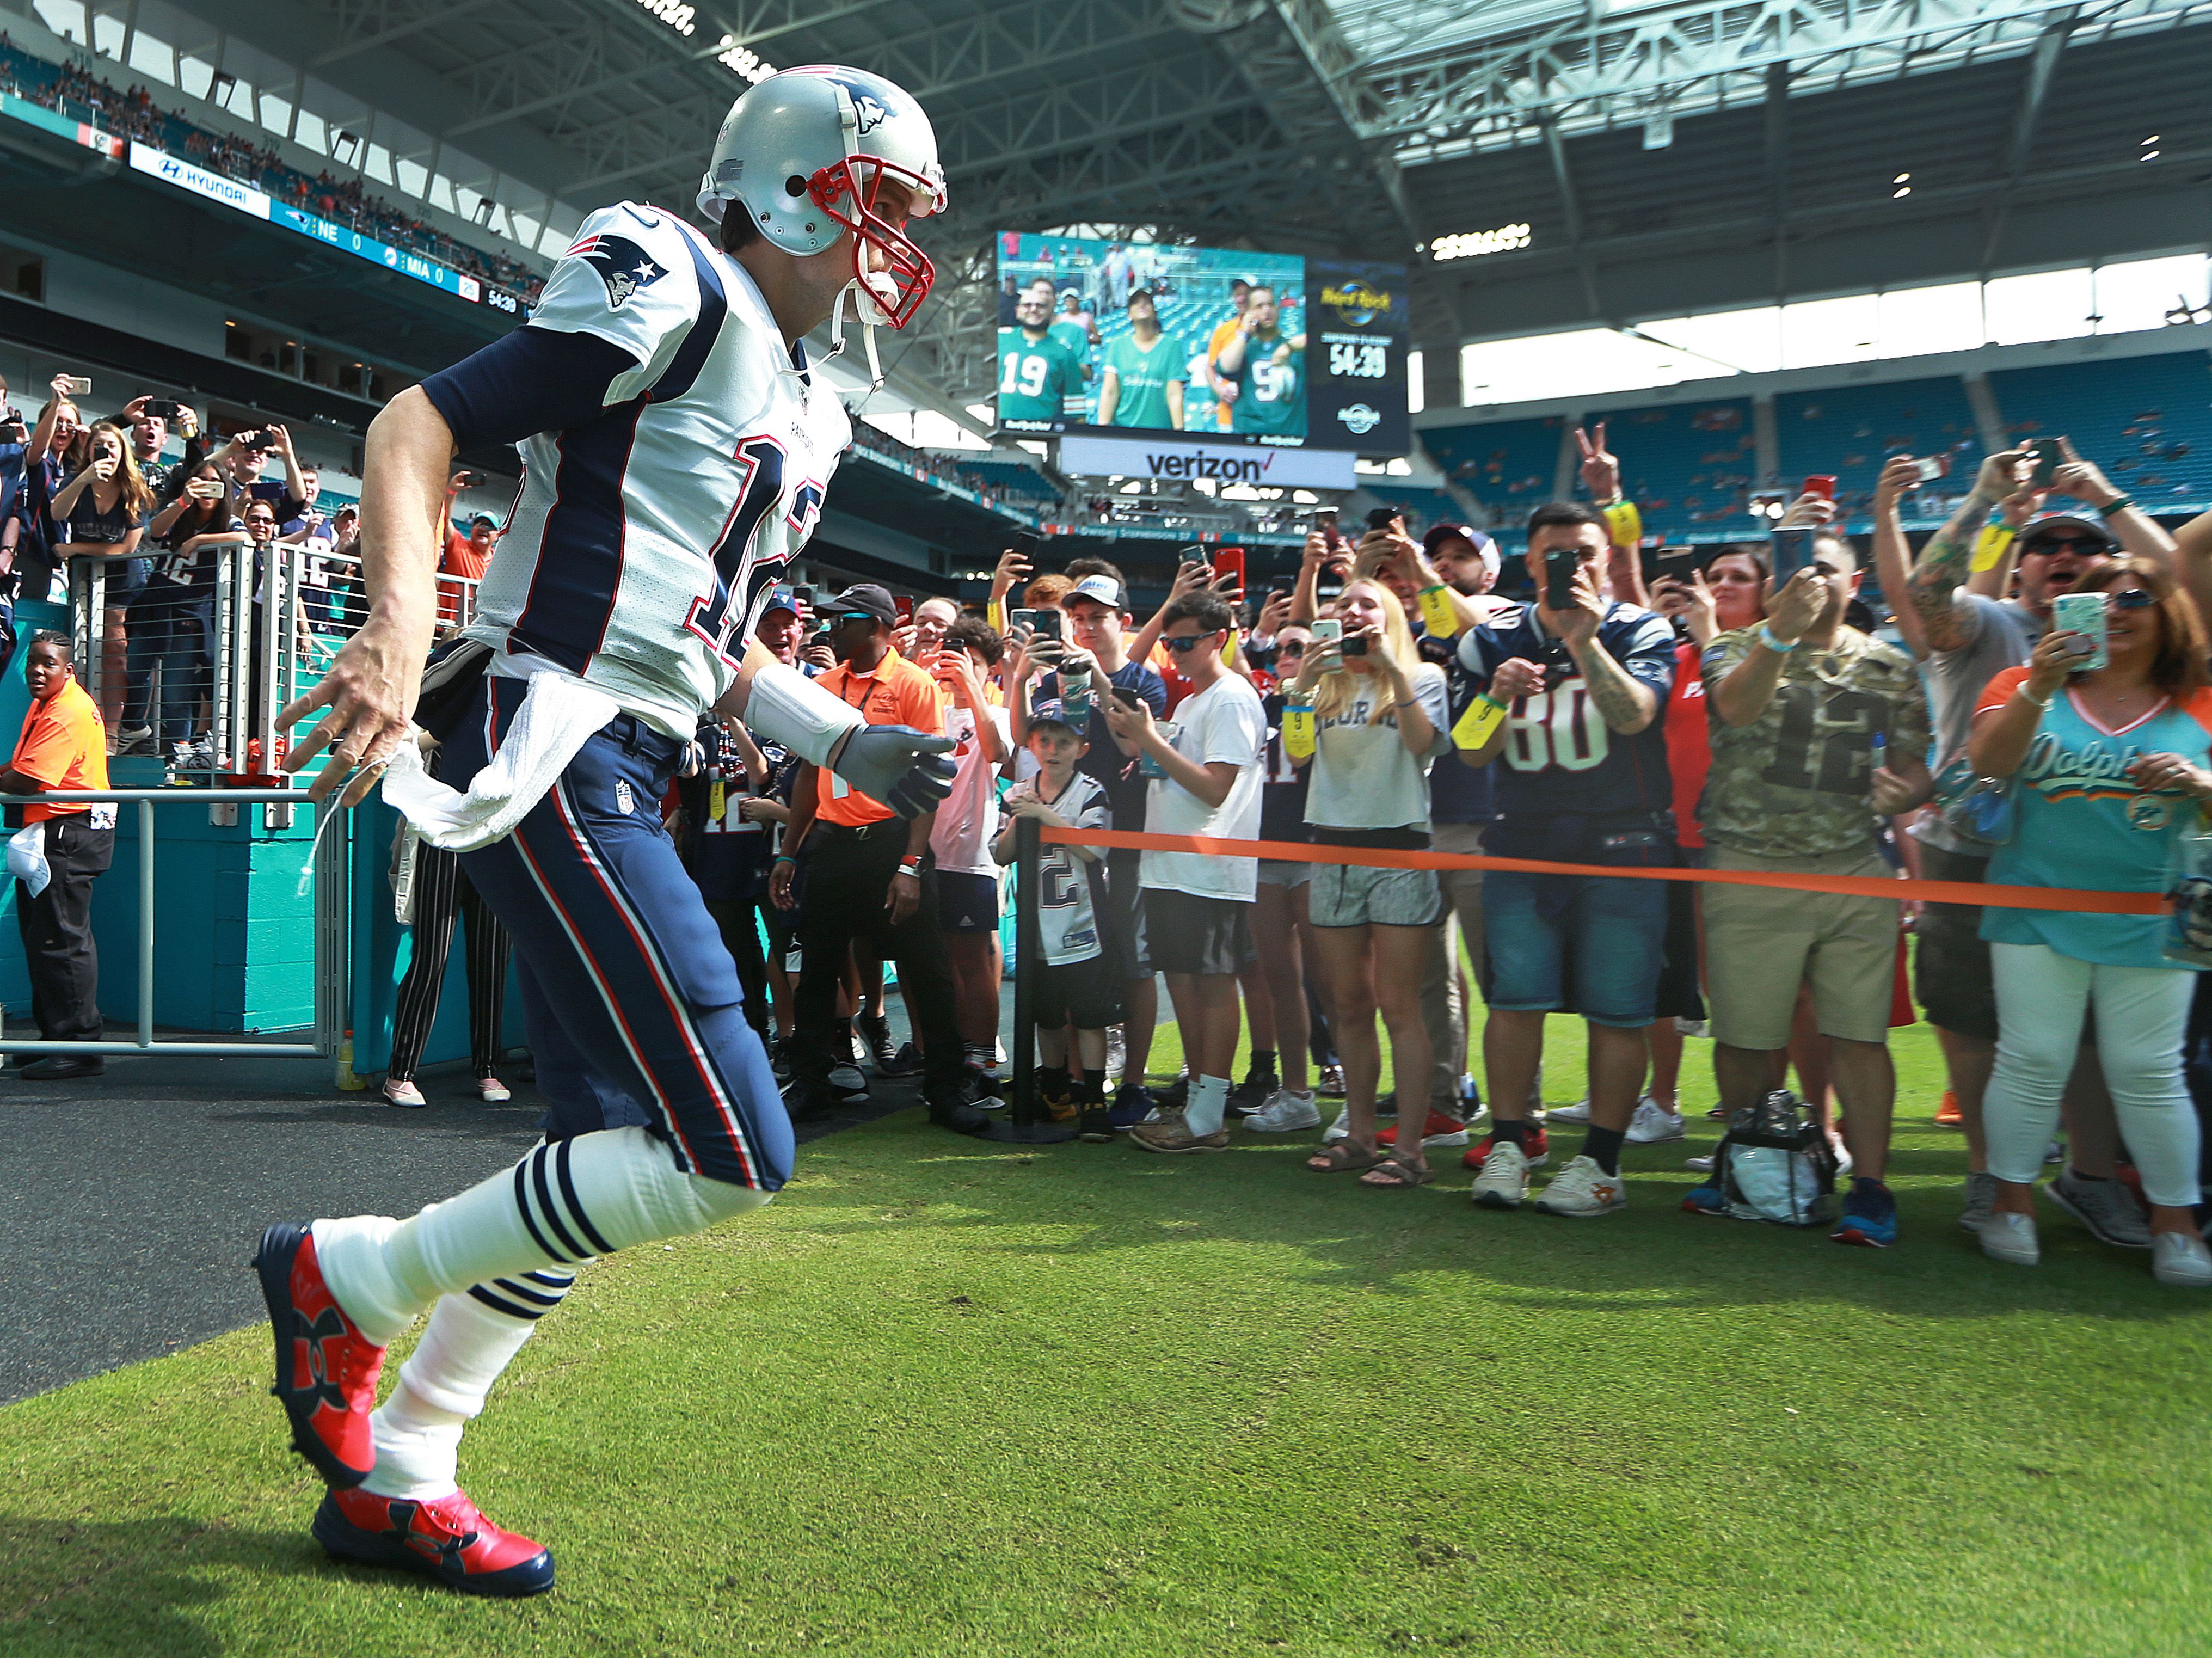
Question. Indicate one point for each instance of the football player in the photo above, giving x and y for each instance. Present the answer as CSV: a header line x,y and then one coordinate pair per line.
x,y
676,446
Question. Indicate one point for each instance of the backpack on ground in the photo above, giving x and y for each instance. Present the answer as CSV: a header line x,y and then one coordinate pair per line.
x,y
1774,1163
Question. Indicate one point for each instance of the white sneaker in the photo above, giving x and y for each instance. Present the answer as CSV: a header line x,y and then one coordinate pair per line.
x,y
1578,1111
1117,1056
1653,1123
1583,1188
1504,1180
2010,1238
1699,1165
847,1080
2181,1259
493,1091
1692,1027
1285,1111
1844,1161
1339,1129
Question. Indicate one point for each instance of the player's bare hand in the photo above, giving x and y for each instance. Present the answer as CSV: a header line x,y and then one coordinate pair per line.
x,y
904,897
369,692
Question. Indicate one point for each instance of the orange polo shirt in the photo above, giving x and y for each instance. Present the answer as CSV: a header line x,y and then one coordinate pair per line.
x,y
63,746
896,694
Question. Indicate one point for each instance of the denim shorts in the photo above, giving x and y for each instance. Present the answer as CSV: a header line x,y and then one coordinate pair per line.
x,y
1616,929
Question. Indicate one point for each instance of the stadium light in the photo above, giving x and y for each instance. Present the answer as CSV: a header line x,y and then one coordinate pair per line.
x,y
1659,130
678,17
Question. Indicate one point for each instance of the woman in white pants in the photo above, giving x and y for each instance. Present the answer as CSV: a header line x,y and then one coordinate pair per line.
x,y
2109,766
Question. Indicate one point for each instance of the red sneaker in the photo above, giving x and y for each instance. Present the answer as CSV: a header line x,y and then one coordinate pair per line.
x,y
1440,1129
446,1538
1947,1113
1536,1143
326,1369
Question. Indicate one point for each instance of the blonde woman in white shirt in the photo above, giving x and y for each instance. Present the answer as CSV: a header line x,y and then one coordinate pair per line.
x,y
1379,722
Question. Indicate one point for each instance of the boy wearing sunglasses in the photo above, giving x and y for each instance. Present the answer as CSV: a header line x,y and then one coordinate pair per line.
x,y
1198,907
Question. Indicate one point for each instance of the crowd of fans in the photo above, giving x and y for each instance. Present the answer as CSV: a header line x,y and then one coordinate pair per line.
x,y
132,113
112,497
1742,711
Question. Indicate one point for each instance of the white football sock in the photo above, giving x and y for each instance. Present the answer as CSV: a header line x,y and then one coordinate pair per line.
x,y
1207,1103
563,1202
471,1340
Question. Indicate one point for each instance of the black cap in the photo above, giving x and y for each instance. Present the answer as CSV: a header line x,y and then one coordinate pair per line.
x,y
864,598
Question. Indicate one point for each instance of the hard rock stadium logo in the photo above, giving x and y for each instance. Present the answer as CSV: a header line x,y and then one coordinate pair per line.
x,y
1357,303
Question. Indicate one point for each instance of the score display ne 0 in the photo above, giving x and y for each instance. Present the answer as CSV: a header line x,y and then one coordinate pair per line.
x,y
1363,360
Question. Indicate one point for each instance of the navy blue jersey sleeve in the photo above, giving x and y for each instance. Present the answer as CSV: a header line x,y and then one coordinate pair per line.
x,y
1644,643
1152,688
535,379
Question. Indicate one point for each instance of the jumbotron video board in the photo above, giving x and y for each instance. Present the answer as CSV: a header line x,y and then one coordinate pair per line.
x,y
1235,347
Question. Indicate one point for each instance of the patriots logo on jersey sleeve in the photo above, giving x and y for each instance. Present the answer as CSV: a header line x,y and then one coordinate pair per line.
x,y
623,265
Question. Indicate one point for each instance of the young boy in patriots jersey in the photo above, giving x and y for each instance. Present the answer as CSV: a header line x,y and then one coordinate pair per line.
x,y
675,444
1581,762
1076,984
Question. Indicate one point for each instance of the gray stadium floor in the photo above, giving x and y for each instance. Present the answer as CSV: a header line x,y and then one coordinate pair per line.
x,y
132,1201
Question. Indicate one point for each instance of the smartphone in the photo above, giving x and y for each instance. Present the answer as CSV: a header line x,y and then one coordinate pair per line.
x,y
1193,554
1127,698
1230,562
1328,630
1022,619
1325,521
1792,550
79,385
1822,484
2048,460
1046,625
902,605
164,408
1381,518
2083,614
1560,568
1678,566
1027,545
804,595
1928,467
1357,644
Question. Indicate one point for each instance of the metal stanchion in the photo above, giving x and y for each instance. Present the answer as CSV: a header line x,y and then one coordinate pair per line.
x,y
1025,1127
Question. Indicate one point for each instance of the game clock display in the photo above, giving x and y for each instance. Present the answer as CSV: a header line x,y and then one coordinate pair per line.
x,y
1235,347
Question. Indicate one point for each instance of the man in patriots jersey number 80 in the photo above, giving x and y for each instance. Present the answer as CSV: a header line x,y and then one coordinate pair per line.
x,y
675,447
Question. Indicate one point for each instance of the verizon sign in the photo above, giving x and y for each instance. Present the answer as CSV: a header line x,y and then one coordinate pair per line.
x,y
1178,460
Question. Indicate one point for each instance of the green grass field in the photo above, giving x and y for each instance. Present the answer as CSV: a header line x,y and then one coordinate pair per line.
x,y
947,1397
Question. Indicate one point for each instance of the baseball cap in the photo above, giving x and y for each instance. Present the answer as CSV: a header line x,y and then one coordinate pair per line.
x,y
864,598
779,597
1440,533
1103,589
484,518
1054,713
1141,292
2038,529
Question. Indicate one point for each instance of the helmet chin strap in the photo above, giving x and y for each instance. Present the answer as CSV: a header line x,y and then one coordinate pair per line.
x,y
868,312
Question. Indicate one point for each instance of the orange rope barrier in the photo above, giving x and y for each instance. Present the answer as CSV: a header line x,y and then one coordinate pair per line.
x,y
1936,892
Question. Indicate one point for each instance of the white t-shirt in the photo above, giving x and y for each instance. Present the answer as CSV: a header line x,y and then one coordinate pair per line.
x,y
1224,722
1363,777
967,821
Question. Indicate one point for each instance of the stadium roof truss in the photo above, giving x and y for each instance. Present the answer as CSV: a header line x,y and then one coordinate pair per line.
x,y
1360,126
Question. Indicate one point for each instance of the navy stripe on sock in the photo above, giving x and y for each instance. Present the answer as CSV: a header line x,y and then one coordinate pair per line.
x,y
535,1297
528,1314
522,1202
545,1198
552,1280
575,1207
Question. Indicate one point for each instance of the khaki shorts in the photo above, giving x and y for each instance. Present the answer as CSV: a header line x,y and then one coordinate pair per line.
x,y
1761,943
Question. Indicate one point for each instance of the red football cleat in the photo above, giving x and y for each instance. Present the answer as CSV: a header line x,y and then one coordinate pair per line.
x,y
326,1369
1535,1145
446,1538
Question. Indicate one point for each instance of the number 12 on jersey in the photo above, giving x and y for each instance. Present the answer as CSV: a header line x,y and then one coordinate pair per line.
x,y
714,616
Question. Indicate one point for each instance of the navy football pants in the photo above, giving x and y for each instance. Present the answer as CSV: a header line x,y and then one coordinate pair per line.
x,y
630,1000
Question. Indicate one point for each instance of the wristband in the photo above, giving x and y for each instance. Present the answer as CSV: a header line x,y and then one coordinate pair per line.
x,y
2117,504
1625,523
994,612
783,857
1989,546
1767,638
2040,702
788,708
909,866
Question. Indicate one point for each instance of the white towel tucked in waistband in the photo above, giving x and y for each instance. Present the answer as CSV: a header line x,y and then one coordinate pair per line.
x,y
558,715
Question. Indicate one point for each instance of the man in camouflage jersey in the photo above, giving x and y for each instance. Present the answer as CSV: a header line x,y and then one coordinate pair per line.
x,y
1818,730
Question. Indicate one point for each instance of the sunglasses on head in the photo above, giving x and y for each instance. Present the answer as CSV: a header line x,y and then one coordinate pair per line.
x,y
1188,644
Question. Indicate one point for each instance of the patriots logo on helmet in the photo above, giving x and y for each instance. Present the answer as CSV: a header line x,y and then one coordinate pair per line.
x,y
623,265
870,113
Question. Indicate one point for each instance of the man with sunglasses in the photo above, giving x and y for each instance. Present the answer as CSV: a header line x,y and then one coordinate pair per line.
x,y
870,878
1954,616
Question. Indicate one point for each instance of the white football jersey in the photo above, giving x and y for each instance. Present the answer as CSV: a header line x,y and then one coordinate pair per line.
x,y
1069,887
639,541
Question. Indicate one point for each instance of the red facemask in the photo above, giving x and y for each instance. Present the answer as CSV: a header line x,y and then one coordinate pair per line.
x,y
848,193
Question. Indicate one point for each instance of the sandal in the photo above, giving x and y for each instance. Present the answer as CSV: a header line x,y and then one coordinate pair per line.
x,y
1397,1176
1342,1156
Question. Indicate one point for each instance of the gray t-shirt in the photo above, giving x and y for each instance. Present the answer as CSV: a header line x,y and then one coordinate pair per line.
x,y
1362,775
1999,635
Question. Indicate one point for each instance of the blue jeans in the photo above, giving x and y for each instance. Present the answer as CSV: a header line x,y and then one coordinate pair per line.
x,y
179,635
1618,929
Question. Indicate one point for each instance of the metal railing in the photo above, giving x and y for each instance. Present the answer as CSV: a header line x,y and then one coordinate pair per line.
x,y
332,969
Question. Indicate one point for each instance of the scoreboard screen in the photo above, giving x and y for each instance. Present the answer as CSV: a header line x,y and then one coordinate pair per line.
x,y
1221,344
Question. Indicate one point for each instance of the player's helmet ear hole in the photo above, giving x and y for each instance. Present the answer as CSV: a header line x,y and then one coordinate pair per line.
x,y
794,185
